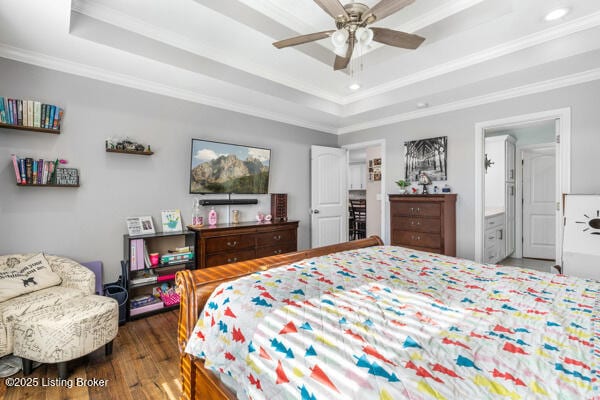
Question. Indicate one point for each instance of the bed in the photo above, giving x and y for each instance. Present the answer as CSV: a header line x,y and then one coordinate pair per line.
x,y
360,320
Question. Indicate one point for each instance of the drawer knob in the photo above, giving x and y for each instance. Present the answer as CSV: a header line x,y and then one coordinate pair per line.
x,y
277,251
230,260
277,237
232,244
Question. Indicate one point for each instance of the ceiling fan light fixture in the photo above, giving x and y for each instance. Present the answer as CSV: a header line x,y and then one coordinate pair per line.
x,y
340,37
364,36
557,13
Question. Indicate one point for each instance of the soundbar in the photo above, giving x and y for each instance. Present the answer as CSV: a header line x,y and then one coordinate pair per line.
x,y
227,202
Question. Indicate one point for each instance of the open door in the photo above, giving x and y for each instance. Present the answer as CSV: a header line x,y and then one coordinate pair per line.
x,y
329,196
539,203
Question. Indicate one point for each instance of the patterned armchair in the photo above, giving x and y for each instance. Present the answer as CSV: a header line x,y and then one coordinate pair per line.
x,y
76,281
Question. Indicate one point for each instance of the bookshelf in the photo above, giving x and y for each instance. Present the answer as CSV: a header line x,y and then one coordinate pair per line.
x,y
49,185
142,282
30,128
141,153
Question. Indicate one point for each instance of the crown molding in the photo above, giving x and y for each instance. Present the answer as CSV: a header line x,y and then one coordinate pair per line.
x,y
525,90
534,39
117,18
100,74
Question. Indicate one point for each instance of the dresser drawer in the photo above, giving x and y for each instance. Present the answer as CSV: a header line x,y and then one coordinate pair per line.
x,y
491,237
429,225
275,237
213,260
417,209
229,243
275,250
427,249
420,239
494,222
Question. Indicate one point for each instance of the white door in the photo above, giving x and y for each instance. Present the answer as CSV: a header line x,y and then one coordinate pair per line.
x,y
539,215
329,196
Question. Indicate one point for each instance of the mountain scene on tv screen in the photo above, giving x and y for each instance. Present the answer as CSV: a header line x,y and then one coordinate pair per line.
x,y
244,170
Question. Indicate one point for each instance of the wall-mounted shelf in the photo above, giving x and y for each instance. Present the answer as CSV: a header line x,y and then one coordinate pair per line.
x,y
47,185
30,128
142,153
227,202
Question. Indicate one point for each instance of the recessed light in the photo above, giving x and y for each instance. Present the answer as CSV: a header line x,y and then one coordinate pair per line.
x,y
556,14
355,86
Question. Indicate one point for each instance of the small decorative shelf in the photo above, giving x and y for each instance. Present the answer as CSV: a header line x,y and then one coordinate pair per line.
x,y
48,185
30,128
142,153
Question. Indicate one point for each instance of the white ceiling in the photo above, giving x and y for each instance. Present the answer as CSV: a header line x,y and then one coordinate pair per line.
x,y
219,53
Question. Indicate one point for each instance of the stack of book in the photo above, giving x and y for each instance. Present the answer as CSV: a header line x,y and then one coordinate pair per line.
x,y
30,113
143,277
29,171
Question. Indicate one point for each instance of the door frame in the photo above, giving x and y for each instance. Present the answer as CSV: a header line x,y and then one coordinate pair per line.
x,y
519,193
384,204
563,168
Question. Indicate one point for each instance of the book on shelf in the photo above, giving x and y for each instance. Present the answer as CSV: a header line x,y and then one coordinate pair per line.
x,y
34,172
175,258
143,300
30,113
19,112
16,167
2,111
143,276
37,109
147,262
28,170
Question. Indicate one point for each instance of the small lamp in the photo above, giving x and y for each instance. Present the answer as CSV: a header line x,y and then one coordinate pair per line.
x,y
424,180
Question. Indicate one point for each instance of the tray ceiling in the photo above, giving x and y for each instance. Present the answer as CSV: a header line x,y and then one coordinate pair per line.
x,y
219,53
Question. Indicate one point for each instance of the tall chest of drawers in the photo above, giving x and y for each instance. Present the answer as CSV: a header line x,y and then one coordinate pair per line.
x,y
424,222
229,243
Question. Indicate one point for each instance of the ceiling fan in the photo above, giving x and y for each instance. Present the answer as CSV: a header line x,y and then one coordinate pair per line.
x,y
351,21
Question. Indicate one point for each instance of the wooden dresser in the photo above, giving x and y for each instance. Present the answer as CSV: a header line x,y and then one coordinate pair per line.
x,y
229,243
424,222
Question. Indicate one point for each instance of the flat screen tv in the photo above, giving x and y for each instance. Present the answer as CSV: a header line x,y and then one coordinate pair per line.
x,y
228,168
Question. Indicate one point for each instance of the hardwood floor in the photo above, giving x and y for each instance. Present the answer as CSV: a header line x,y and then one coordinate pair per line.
x,y
144,365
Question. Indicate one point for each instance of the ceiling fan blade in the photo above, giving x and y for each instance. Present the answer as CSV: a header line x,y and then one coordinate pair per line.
x,y
333,8
384,9
397,38
342,62
311,37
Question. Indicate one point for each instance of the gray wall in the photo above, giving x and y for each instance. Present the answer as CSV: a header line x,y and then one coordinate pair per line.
x,y
459,126
88,223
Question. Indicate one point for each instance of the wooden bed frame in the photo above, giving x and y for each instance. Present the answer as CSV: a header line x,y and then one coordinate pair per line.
x,y
196,287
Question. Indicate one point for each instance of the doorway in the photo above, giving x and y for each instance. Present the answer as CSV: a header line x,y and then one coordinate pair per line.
x,y
544,223
366,189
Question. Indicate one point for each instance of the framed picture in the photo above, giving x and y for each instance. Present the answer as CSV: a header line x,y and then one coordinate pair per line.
x,y
375,169
171,221
139,225
426,156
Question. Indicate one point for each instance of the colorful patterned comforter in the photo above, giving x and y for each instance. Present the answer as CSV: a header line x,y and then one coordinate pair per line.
x,y
393,323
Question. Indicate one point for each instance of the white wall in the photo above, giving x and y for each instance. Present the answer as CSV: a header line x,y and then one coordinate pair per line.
x,y
88,223
459,126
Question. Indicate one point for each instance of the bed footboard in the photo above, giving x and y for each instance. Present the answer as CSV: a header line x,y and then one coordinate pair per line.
x,y
195,287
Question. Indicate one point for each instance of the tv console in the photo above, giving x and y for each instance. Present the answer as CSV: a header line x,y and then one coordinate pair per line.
x,y
229,243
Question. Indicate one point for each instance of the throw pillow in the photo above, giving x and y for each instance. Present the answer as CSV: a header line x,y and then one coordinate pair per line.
x,y
27,276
